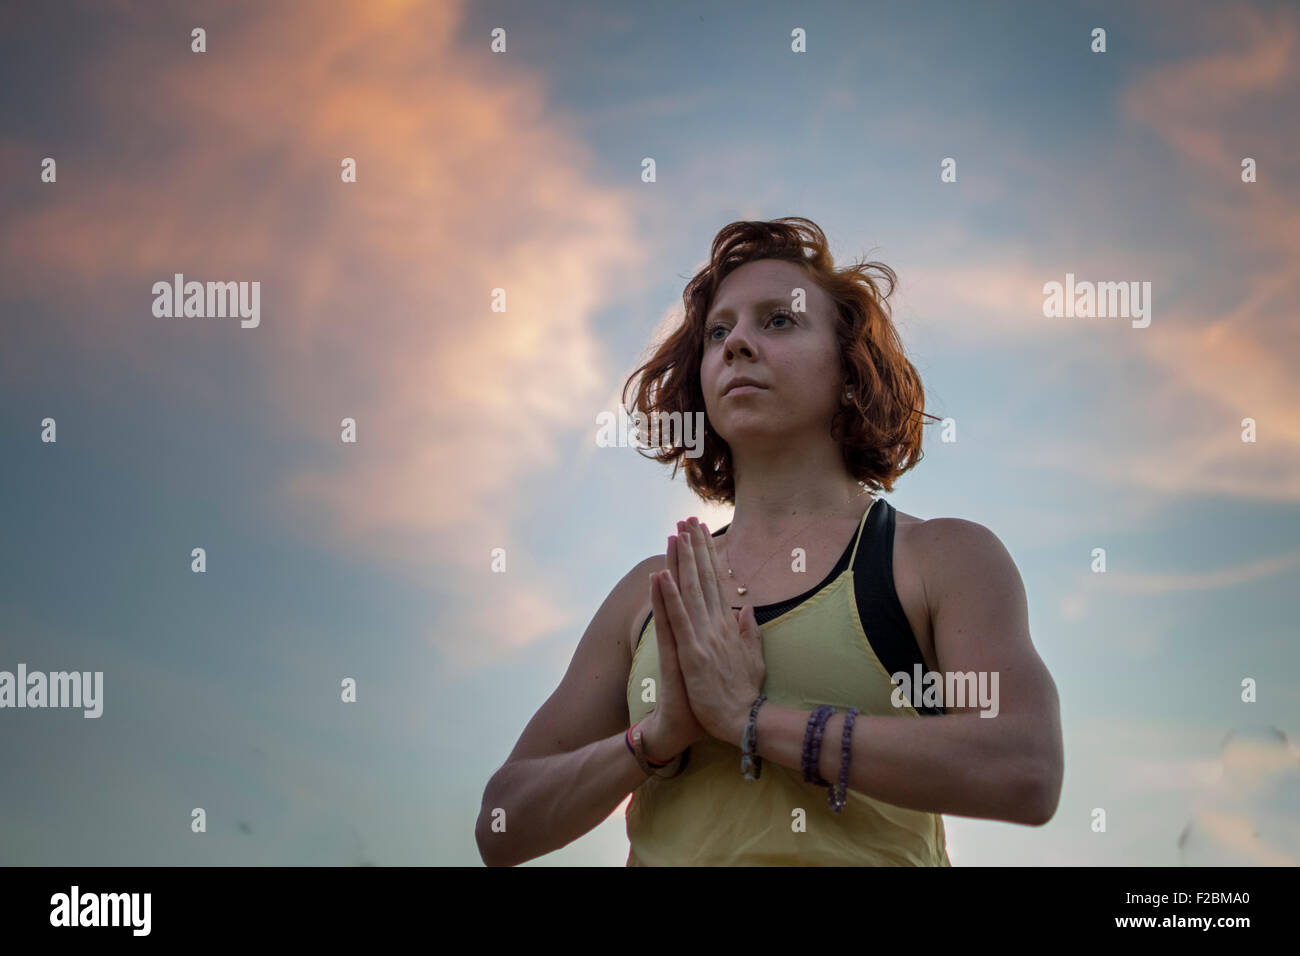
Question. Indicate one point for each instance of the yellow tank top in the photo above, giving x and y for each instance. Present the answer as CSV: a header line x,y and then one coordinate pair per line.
x,y
708,815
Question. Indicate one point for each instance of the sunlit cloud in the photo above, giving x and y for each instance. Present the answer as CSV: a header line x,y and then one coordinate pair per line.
x,y
1193,376
378,295
1212,111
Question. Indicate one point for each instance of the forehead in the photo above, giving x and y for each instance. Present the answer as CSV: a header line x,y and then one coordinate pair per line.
x,y
764,280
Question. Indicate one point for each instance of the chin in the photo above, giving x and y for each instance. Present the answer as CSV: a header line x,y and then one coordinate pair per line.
x,y
741,429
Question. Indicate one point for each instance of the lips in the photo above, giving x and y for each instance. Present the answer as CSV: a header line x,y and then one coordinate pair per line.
x,y
742,383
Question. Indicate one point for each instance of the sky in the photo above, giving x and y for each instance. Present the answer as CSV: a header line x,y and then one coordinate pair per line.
x,y
477,429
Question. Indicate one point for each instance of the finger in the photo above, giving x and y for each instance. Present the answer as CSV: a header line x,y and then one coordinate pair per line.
x,y
688,585
719,572
708,571
673,556
668,666
670,560
683,630
662,621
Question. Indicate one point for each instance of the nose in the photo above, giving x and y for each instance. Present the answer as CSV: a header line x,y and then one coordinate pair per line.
x,y
736,344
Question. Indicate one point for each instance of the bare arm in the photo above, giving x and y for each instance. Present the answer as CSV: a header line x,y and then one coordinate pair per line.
x,y
1007,767
548,802
571,769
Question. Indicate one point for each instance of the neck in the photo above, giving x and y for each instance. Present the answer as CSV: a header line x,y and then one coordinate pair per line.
x,y
781,492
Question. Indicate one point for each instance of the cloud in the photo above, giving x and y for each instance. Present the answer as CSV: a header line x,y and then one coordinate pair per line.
x,y
1173,396
1139,583
1212,111
377,296
1191,103
999,296
1247,815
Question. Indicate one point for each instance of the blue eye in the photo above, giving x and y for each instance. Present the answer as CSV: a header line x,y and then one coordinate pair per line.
x,y
708,332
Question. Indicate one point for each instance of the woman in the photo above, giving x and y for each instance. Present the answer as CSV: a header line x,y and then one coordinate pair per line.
x,y
756,718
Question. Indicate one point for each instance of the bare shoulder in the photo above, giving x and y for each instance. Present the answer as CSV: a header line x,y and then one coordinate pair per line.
x,y
958,531
947,552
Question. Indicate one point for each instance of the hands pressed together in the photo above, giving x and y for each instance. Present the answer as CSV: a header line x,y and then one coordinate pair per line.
x,y
710,657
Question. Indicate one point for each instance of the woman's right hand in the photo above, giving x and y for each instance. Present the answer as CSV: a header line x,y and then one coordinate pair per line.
x,y
671,726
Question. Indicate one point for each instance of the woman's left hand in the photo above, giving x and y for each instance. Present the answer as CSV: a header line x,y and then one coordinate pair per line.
x,y
720,653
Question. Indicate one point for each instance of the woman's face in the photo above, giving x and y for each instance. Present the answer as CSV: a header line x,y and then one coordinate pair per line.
x,y
752,330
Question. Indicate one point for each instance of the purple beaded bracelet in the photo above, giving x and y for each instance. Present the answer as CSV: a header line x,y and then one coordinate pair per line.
x,y
812,744
837,801
809,730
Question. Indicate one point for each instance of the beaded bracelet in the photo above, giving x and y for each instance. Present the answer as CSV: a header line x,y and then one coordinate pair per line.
x,y
812,744
837,801
751,764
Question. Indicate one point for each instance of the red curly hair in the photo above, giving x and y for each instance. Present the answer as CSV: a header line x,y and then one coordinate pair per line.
x,y
879,431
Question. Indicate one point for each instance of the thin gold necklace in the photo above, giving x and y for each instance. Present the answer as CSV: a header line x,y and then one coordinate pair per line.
x,y
742,589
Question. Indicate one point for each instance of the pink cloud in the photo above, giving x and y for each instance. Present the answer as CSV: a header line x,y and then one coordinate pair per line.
x,y
377,296
1175,426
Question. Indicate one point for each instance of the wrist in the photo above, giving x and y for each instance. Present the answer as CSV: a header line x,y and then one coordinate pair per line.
x,y
736,726
751,763
651,741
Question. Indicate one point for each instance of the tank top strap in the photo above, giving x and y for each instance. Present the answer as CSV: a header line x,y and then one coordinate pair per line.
x,y
861,527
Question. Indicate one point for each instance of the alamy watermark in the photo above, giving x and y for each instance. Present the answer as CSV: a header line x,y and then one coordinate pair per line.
x,y
946,689
102,909
662,430
181,299
1088,300
78,689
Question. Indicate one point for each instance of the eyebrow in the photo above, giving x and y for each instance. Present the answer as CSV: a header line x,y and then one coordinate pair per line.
x,y
718,313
